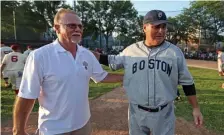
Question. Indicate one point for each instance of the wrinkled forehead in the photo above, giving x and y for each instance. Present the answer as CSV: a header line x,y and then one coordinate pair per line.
x,y
68,18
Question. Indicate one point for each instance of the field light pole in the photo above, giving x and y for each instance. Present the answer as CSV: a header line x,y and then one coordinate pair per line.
x,y
14,20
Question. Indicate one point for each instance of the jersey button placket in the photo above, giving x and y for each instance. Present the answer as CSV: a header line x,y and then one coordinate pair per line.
x,y
150,79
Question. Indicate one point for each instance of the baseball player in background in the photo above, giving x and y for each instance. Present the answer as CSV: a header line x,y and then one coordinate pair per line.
x,y
5,50
153,70
29,49
220,61
13,63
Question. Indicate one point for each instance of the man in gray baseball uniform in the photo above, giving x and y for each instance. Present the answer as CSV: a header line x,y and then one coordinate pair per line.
x,y
153,70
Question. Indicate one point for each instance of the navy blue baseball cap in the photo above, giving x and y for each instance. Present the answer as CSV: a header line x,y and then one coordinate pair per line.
x,y
155,17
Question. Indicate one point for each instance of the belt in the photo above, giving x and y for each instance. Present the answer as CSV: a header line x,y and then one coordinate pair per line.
x,y
152,110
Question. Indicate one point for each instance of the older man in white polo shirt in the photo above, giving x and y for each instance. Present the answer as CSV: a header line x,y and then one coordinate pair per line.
x,y
58,74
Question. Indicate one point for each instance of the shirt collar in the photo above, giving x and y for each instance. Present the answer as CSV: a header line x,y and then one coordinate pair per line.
x,y
59,48
163,45
154,46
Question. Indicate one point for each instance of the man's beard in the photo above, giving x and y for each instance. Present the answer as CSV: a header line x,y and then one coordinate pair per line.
x,y
75,40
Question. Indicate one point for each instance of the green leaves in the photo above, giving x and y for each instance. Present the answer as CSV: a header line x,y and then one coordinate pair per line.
x,y
107,17
204,17
32,18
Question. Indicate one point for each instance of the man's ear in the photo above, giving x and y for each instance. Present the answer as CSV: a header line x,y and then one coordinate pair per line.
x,y
56,28
144,28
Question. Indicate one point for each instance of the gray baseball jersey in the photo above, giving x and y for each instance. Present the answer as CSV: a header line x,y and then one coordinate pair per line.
x,y
152,74
5,50
27,52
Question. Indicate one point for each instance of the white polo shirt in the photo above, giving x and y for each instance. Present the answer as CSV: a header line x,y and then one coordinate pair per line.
x,y
64,84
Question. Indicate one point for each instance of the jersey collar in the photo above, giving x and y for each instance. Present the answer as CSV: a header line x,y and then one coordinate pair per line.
x,y
154,46
164,44
59,48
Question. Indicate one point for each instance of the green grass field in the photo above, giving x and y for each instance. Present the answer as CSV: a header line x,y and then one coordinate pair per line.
x,y
210,95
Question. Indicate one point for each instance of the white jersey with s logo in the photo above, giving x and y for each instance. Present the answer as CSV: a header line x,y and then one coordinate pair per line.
x,y
14,61
5,50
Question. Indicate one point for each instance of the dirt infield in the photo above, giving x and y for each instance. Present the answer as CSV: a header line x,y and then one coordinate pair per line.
x,y
109,117
202,64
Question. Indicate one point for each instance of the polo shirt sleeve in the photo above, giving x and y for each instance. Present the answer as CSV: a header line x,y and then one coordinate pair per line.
x,y
32,77
98,73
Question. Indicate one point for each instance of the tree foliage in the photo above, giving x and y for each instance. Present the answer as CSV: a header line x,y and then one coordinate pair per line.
x,y
32,18
113,17
107,17
202,22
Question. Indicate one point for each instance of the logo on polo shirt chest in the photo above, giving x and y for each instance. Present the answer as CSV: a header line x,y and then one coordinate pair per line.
x,y
85,64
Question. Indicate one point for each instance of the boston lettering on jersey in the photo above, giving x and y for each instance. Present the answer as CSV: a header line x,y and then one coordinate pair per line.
x,y
157,64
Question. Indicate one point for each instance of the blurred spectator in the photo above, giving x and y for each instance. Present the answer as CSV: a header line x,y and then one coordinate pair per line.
x,y
220,61
29,49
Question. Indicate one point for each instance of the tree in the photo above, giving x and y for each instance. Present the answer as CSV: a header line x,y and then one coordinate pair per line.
x,y
137,33
209,18
48,9
84,10
29,24
180,28
133,32
27,27
106,17
122,12
203,21
32,18
7,25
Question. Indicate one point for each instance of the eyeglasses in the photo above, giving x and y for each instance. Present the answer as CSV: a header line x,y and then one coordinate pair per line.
x,y
73,26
